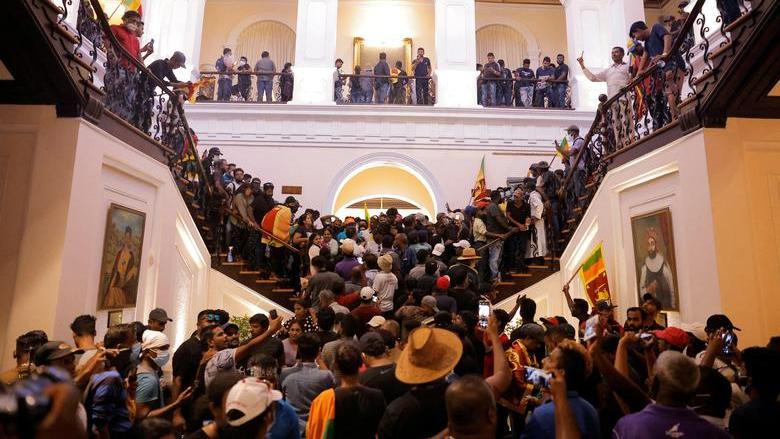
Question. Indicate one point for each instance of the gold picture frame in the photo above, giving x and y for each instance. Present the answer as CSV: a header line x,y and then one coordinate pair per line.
x,y
656,263
359,47
121,262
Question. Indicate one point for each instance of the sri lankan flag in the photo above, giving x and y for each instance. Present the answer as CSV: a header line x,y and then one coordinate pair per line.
x,y
366,215
480,187
594,277
563,148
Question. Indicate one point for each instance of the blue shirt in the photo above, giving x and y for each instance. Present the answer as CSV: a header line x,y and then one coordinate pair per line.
x,y
524,75
541,71
655,42
542,422
109,402
147,390
285,424
301,384
663,421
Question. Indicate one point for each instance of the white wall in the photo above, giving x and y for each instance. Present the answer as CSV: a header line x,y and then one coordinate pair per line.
x,y
316,146
674,176
58,178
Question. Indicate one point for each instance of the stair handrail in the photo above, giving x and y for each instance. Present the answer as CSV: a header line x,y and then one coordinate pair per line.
x,y
264,232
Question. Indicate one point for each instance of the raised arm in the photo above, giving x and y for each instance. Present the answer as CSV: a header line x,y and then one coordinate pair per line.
x,y
502,376
244,351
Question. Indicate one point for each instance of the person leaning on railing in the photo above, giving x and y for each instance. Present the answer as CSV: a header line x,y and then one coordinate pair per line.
x,y
544,73
617,76
224,66
265,81
524,85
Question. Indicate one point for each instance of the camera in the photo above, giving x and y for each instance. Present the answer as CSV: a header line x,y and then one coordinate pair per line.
x,y
24,404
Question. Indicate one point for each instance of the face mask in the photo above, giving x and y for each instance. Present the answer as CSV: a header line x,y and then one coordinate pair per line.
x,y
135,352
242,63
162,358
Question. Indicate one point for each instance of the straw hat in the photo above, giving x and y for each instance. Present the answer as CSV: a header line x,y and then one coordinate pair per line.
x,y
468,254
348,248
385,262
431,354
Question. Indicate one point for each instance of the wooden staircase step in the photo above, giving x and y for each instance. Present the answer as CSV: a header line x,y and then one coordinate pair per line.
x,y
253,272
538,267
571,221
521,274
717,53
234,264
200,217
577,210
282,290
551,258
266,281
503,283
195,206
703,78
189,194
584,198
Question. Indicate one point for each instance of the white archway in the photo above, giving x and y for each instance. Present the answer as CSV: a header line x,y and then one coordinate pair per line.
x,y
385,159
270,35
505,41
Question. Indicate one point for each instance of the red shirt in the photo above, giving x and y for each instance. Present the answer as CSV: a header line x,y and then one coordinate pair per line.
x,y
129,41
363,314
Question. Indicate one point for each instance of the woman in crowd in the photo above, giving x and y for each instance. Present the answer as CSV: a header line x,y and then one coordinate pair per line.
x,y
291,343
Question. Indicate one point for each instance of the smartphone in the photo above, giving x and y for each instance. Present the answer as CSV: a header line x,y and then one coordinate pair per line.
x,y
484,312
590,327
537,377
729,343
272,314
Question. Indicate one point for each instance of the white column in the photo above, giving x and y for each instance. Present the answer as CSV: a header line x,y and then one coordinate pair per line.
x,y
315,52
595,27
456,45
175,25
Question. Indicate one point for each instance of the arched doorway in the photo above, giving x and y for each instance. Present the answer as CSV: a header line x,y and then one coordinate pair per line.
x,y
505,42
383,180
275,37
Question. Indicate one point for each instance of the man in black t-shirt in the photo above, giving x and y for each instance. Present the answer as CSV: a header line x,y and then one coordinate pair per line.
x,y
559,88
380,373
524,85
422,72
518,213
491,71
496,224
186,360
262,204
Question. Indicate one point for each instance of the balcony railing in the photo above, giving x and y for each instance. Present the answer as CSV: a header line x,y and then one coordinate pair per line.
x,y
247,86
663,97
524,93
384,89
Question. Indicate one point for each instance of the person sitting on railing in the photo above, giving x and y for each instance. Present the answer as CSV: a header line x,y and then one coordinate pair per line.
x,y
524,85
399,81
504,88
490,72
224,66
286,82
422,69
559,88
658,45
244,78
382,84
543,73
265,83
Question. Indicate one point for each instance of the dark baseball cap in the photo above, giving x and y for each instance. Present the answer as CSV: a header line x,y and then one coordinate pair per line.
x,y
229,325
604,305
531,330
717,321
650,298
159,315
54,350
268,185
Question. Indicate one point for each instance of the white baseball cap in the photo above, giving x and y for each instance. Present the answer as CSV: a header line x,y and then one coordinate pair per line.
x,y
376,321
462,243
366,293
438,249
248,399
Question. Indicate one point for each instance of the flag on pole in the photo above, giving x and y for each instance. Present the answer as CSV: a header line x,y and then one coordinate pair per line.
x,y
563,148
594,277
366,215
480,187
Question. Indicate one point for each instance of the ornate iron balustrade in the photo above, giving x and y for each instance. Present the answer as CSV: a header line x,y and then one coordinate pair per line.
x,y
243,87
542,93
666,95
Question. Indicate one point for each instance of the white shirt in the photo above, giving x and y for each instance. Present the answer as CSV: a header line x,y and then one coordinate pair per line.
x,y
616,76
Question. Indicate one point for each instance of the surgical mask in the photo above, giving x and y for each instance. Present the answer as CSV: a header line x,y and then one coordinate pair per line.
x,y
242,63
135,352
162,358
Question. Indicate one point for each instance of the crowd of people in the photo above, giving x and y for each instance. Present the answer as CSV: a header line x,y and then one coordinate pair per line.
x,y
241,72
442,368
499,86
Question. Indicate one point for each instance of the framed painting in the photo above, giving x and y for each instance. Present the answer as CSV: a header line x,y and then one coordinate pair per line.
x,y
114,317
656,272
122,249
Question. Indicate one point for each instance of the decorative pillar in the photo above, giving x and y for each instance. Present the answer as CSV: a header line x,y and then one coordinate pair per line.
x,y
595,27
456,45
175,25
315,52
